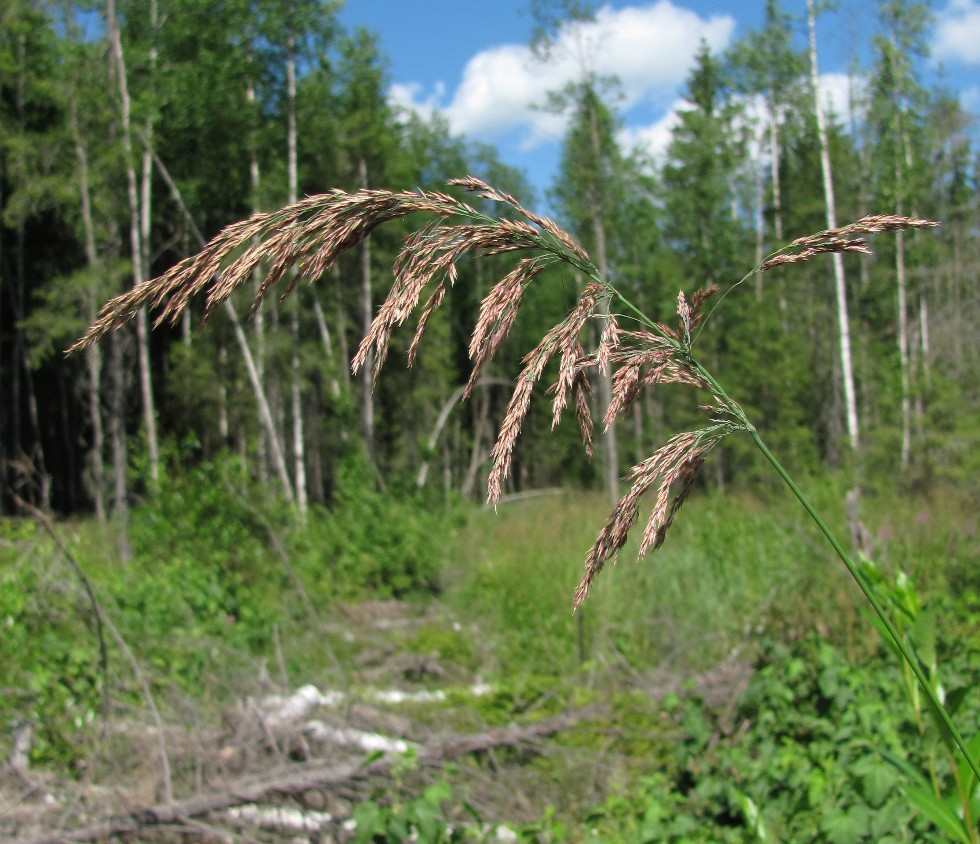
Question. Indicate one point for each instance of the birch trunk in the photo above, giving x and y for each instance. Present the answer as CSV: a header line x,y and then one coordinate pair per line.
x,y
605,378
265,412
774,158
136,247
299,449
117,439
93,354
343,348
258,322
760,231
903,341
367,312
903,163
321,324
843,322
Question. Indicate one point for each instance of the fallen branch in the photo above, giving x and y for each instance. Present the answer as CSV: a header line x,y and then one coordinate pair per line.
x,y
309,776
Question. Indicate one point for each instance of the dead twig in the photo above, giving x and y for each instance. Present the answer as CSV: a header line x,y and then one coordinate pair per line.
x,y
297,779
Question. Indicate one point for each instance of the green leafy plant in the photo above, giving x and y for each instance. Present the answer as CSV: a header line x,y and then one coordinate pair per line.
x,y
795,762
309,235
387,819
953,806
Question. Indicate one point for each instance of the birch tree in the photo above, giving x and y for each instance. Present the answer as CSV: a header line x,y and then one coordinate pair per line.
x,y
840,287
367,145
137,250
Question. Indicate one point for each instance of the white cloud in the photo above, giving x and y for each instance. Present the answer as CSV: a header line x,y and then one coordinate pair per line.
x,y
648,47
654,139
410,97
958,33
840,94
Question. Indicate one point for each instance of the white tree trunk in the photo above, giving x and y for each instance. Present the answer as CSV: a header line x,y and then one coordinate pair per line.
x,y
903,341
843,323
605,377
367,313
117,439
265,413
136,247
774,157
93,355
299,448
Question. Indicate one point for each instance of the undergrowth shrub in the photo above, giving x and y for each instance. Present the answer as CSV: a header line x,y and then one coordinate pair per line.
x,y
218,566
389,543
806,744
49,663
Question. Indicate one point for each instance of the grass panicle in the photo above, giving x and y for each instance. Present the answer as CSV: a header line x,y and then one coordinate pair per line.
x,y
309,235
842,239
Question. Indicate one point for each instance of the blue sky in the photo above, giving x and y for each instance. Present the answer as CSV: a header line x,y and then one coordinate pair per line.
x,y
469,60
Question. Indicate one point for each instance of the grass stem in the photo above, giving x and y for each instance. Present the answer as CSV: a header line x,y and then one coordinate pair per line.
x,y
855,572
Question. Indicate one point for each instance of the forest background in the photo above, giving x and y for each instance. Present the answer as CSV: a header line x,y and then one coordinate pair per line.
x,y
130,133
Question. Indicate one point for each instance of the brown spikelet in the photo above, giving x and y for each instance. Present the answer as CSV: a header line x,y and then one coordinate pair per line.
x,y
675,463
843,239
497,314
562,337
308,235
643,359
581,389
507,438
608,340
698,298
871,224
820,249
684,471
434,301
482,189
568,371
625,389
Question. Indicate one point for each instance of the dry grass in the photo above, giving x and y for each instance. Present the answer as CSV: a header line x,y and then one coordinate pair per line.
x,y
843,239
309,235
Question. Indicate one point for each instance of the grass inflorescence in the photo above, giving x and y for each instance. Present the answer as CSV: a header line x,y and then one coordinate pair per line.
x,y
308,237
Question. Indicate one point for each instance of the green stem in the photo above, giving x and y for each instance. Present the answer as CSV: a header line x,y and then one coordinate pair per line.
x,y
852,568
855,572
875,605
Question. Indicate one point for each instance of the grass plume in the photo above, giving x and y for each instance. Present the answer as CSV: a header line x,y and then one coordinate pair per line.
x,y
309,235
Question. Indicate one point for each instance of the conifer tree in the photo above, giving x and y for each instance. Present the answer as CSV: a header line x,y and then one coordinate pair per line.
x,y
765,63
697,178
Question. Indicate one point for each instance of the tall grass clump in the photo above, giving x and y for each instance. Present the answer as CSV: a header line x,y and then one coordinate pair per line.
x,y
634,351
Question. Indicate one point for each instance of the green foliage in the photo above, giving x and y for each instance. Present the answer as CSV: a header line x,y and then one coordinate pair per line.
x,y
386,544
731,568
49,659
702,155
800,766
207,585
204,542
420,819
450,644
951,802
